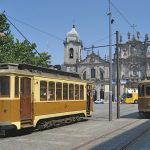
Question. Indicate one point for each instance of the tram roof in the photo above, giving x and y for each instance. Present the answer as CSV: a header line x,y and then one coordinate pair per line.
x,y
144,81
33,68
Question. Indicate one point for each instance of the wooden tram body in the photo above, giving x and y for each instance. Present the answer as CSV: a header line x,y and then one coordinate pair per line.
x,y
33,96
144,98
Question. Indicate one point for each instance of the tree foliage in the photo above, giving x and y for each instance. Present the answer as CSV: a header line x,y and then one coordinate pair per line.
x,y
14,51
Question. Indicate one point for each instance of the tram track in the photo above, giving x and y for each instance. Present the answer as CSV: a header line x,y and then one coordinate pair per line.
x,y
134,141
117,147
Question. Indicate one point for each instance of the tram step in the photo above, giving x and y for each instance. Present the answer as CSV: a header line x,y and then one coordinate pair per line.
x,y
26,126
26,123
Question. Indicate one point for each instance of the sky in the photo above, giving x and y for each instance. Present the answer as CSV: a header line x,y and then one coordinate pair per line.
x,y
46,22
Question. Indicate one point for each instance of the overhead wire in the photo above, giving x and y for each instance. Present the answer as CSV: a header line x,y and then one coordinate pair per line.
x,y
24,37
86,48
123,16
35,28
49,34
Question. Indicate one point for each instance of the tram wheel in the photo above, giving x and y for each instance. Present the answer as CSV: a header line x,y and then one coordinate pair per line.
x,y
142,115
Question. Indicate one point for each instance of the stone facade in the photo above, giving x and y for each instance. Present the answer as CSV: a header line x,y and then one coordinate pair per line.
x,y
134,62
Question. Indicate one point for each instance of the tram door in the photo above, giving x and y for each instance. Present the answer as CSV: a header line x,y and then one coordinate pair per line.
x,y
25,99
89,107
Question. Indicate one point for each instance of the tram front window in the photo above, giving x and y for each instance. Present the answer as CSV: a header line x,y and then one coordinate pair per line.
x,y
129,95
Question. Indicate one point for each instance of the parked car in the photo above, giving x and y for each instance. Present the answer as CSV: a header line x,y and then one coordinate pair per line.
x,y
99,101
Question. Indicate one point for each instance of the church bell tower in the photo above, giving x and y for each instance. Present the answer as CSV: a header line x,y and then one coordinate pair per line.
x,y
72,48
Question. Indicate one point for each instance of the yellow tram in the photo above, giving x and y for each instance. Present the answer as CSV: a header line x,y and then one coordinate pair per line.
x,y
32,96
144,98
131,96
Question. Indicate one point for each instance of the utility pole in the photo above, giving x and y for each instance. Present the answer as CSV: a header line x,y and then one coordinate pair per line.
x,y
118,77
146,47
110,64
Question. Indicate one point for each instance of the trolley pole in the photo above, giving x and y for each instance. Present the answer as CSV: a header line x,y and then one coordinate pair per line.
x,y
118,77
110,64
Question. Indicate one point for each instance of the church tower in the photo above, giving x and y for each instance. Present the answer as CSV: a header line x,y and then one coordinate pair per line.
x,y
72,48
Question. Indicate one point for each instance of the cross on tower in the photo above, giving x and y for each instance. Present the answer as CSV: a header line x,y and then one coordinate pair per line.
x,y
133,28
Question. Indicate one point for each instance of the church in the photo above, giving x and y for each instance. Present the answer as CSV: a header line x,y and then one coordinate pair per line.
x,y
134,64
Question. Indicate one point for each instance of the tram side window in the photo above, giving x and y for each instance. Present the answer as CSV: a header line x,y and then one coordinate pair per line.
x,y
16,86
51,91
58,91
139,90
81,92
71,91
77,92
148,90
65,91
4,86
43,90
142,90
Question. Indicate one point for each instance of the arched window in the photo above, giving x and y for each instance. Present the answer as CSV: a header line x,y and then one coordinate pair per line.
x,y
84,75
101,94
101,75
71,53
92,73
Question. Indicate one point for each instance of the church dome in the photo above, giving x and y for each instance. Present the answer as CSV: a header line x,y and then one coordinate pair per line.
x,y
73,32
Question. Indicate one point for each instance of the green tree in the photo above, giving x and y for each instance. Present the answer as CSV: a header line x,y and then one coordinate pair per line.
x,y
14,51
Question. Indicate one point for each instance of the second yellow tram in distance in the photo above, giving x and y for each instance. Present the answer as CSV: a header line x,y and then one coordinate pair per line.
x,y
131,96
144,98
38,97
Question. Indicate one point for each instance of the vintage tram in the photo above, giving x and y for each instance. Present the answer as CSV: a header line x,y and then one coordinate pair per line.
x,y
38,97
144,98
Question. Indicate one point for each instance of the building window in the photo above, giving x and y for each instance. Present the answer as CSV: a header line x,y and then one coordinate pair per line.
x,y
71,53
92,73
101,94
4,86
134,72
101,75
84,75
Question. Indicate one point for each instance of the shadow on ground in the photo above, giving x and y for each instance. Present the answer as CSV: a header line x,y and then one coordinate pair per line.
x,y
123,141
